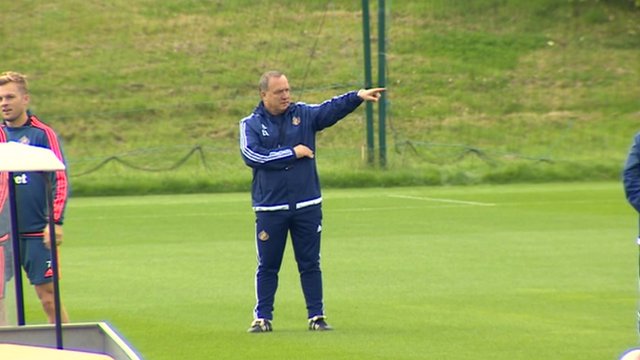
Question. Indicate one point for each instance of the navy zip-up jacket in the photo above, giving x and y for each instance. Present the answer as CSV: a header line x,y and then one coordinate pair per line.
x,y
31,193
631,175
280,181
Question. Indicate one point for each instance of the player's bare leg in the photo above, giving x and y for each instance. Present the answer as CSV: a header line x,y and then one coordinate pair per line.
x,y
47,299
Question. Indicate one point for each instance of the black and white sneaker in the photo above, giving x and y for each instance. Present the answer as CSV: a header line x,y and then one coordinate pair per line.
x,y
260,325
318,323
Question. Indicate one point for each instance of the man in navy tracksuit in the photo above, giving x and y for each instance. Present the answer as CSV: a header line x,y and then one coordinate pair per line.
x,y
31,192
278,142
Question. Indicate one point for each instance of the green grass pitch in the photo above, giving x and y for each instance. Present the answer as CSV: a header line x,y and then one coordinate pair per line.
x,y
480,272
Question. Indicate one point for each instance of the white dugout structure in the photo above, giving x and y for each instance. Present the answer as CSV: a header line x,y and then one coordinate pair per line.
x,y
81,341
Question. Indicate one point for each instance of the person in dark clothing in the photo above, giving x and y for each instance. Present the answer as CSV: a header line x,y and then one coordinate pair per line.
x,y
278,141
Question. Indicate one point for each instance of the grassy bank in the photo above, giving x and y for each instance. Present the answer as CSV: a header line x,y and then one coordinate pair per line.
x,y
488,91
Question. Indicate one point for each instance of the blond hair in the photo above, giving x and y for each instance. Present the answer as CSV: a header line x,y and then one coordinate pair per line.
x,y
14,77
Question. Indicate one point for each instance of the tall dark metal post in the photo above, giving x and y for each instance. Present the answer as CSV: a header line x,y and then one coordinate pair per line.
x,y
382,107
54,262
366,37
15,238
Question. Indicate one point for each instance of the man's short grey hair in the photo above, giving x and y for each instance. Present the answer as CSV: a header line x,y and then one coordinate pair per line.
x,y
263,85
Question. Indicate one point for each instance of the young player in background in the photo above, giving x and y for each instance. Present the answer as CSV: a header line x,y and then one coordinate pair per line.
x,y
21,126
6,263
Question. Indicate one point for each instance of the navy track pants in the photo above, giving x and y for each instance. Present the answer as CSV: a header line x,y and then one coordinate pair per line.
x,y
272,228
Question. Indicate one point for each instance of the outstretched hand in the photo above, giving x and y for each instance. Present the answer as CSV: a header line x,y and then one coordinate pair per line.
x,y
372,94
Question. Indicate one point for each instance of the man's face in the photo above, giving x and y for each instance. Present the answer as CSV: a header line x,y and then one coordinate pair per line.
x,y
13,103
277,97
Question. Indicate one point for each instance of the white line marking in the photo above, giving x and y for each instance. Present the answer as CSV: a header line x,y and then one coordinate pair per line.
x,y
451,201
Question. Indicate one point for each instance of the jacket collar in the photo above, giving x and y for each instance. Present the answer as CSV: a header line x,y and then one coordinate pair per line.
x,y
261,110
